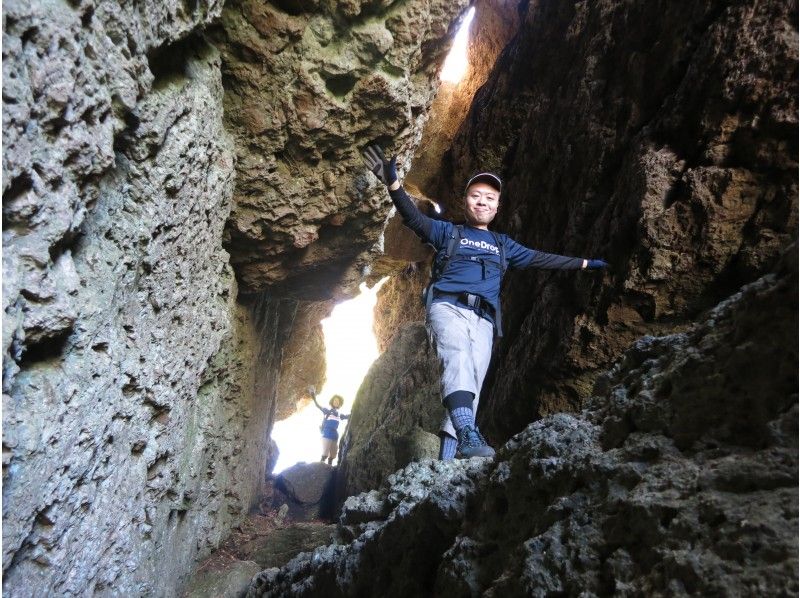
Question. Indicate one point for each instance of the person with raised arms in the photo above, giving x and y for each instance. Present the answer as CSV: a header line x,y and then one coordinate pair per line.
x,y
463,297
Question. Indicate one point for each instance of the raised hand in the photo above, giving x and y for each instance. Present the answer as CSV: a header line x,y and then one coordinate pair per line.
x,y
385,170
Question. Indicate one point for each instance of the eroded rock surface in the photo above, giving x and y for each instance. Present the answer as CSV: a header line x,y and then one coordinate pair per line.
x,y
659,137
396,414
132,437
680,477
308,86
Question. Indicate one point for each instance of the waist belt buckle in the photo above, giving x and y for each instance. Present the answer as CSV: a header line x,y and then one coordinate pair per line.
x,y
472,300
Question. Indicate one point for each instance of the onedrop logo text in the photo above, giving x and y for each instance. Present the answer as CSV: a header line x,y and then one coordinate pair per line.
x,y
481,245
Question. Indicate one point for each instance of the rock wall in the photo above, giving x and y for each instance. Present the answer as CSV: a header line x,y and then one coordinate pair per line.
x,y
303,363
308,86
660,137
395,417
132,436
679,478
493,26
140,380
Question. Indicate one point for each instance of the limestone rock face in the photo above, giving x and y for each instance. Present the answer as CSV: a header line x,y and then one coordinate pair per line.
x,y
399,302
132,436
395,416
679,477
308,86
658,138
303,363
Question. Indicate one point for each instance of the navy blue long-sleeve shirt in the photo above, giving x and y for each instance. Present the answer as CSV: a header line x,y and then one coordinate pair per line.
x,y
330,422
482,273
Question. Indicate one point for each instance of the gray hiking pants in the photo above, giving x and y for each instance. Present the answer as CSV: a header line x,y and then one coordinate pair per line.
x,y
463,342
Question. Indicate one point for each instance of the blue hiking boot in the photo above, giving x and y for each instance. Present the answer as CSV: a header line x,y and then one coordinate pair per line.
x,y
472,444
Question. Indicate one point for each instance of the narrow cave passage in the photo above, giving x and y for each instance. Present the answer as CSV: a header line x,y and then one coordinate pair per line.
x,y
350,350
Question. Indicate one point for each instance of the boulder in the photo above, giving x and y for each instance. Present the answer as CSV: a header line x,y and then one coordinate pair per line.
x,y
308,488
396,414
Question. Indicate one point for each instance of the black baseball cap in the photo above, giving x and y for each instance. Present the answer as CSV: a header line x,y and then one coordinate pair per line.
x,y
486,177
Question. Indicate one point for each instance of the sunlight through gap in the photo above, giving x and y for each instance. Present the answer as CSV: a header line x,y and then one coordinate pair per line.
x,y
350,350
455,65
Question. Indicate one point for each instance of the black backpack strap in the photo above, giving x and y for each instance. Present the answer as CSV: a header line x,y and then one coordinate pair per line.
x,y
440,264
452,247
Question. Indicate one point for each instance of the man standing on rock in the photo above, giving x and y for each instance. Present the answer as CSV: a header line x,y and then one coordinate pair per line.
x,y
463,299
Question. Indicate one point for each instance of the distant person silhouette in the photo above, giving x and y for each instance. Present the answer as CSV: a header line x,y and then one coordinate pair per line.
x,y
330,425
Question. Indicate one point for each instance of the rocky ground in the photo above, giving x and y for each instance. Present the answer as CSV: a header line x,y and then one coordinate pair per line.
x,y
183,196
289,520
679,478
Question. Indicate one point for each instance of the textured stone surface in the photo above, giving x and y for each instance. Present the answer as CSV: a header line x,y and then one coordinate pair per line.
x,y
303,358
493,26
305,482
308,85
285,543
230,583
138,393
679,478
132,435
384,554
399,302
395,416
658,136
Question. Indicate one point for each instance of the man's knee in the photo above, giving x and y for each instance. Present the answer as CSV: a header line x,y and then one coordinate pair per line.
x,y
459,398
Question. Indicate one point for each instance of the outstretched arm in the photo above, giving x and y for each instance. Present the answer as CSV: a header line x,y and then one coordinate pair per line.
x,y
520,256
386,171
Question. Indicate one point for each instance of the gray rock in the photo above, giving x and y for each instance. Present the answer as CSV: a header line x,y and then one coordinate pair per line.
x,y
679,478
284,544
306,483
422,506
133,438
396,414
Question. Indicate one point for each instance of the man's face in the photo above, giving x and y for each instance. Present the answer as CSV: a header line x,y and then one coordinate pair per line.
x,y
480,204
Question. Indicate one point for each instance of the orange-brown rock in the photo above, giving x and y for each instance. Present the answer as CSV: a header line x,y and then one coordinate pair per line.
x,y
306,90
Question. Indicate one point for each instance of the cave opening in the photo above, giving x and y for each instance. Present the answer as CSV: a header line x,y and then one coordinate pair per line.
x,y
350,350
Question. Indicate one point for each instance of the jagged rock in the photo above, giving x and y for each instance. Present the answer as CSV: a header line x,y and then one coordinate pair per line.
x,y
426,500
306,90
396,414
659,138
680,477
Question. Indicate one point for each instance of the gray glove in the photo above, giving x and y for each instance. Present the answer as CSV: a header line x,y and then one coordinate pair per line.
x,y
385,170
